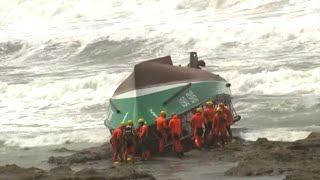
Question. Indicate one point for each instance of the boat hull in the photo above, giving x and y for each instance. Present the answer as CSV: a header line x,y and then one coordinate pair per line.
x,y
179,98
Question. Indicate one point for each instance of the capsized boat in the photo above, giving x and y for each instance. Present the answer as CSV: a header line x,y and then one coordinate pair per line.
x,y
157,85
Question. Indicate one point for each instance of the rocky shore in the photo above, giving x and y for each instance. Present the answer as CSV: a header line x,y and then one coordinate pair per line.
x,y
294,160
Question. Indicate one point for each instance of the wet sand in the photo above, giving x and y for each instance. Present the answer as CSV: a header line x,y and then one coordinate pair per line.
x,y
261,159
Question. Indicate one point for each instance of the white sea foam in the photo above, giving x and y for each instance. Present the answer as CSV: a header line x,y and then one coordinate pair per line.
x,y
97,135
278,82
93,88
51,107
276,134
247,33
157,19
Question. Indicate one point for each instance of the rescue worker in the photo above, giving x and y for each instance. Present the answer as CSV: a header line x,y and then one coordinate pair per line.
x,y
161,125
117,141
143,136
130,134
219,126
175,127
209,114
229,119
197,123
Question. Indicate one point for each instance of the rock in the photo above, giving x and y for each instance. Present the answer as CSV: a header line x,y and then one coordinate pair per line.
x,y
17,170
61,150
13,172
282,156
89,154
298,175
61,170
87,171
314,135
262,141
297,160
251,168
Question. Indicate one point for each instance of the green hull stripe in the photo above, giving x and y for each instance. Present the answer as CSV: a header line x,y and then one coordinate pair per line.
x,y
149,106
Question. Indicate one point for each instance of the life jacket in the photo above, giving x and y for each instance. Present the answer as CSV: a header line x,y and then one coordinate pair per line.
x,y
128,132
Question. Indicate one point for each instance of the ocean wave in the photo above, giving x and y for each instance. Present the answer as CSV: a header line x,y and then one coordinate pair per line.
x,y
57,138
281,81
59,75
10,50
98,18
95,88
59,105
7,48
275,134
104,51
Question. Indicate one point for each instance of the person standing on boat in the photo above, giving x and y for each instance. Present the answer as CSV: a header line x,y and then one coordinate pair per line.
x,y
209,114
130,134
197,123
161,129
219,126
175,127
229,119
117,141
143,136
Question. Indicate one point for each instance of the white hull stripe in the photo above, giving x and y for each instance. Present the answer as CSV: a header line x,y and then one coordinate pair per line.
x,y
146,91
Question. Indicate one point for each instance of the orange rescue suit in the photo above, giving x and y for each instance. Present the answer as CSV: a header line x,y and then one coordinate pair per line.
x,y
209,114
175,127
219,124
116,142
143,135
229,117
197,122
161,128
131,149
144,131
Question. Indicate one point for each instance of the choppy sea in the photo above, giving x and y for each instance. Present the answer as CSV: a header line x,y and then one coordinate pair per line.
x,y
60,62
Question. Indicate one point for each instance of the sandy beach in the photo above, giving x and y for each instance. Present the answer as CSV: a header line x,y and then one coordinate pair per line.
x,y
261,159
